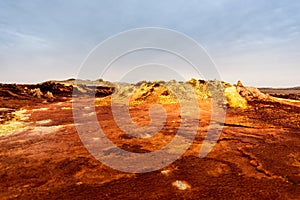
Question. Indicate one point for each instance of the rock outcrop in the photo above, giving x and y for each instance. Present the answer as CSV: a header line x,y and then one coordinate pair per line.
x,y
163,92
251,93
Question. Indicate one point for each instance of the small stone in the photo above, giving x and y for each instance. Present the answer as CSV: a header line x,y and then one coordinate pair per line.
x,y
165,172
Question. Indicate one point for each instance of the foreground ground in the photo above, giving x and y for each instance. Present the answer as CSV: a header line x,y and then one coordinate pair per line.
x,y
256,157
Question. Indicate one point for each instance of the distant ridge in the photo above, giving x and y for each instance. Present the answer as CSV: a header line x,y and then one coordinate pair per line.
x,y
284,88
286,93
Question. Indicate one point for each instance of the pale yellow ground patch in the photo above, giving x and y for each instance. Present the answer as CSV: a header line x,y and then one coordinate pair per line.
x,y
40,109
47,121
15,125
66,108
44,129
12,127
19,124
291,102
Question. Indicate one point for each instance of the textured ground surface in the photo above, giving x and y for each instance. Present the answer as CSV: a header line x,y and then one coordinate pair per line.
x,y
42,157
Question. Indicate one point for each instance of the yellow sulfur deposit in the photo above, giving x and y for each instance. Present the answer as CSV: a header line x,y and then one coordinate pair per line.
x,y
234,99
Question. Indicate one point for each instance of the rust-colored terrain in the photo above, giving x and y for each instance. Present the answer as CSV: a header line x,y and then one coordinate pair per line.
x,y
257,155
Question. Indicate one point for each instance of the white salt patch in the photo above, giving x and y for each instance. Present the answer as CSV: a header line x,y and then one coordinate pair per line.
x,y
181,185
44,121
89,114
147,136
5,109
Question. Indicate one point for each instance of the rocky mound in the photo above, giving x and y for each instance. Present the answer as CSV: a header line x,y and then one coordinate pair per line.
x,y
51,90
239,96
236,95
161,91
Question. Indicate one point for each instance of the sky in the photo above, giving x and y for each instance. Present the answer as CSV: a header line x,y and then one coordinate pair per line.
x,y
255,41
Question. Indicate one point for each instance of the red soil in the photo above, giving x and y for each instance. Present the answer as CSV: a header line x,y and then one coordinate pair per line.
x,y
256,157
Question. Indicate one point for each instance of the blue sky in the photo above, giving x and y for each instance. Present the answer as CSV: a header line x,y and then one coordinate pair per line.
x,y
255,41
